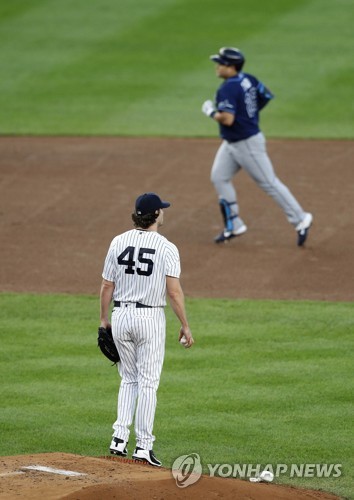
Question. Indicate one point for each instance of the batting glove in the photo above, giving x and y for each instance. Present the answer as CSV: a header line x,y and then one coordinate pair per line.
x,y
208,108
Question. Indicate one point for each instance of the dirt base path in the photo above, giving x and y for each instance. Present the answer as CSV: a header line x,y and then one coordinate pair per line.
x,y
62,201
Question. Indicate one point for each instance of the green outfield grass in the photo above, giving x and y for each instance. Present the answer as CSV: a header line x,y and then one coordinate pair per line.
x,y
267,382
142,68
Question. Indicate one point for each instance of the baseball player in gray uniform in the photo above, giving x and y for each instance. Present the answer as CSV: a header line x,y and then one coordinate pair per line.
x,y
239,100
140,267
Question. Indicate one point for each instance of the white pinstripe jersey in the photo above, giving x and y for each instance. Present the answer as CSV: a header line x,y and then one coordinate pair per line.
x,y
138,262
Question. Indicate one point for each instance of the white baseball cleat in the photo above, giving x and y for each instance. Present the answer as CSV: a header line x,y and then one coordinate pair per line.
x,y
118,447
146,456
228,235
302,229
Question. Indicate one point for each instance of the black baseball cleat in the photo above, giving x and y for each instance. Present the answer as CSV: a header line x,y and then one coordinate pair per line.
x,y
226,236
303,228
146,456
118,447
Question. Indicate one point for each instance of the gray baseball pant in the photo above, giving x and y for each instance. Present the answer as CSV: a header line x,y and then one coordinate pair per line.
x,y
251,155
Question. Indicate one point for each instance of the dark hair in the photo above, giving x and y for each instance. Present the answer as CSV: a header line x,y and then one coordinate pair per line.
x,y
145,221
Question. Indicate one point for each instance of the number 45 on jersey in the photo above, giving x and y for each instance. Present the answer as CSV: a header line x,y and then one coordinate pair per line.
x,y
126,258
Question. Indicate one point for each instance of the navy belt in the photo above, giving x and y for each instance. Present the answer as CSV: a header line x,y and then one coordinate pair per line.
x,y
138,305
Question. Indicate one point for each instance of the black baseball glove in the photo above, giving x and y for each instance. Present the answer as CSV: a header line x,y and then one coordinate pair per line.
x,y
106,343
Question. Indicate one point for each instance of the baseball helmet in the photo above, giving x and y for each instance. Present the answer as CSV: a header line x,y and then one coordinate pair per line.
x,y
229,56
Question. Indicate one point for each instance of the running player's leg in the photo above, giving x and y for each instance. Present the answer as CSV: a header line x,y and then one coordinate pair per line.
x,y
256,162
224,168
151,327
128,390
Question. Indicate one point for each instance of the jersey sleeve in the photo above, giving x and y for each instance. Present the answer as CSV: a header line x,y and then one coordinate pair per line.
x,y
225,100
264,95
173,264
109,268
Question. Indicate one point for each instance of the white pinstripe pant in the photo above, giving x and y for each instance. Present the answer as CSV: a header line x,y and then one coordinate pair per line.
x,y
140,338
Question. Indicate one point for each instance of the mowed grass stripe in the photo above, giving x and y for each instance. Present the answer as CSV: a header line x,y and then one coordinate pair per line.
x,y
266,382
137,68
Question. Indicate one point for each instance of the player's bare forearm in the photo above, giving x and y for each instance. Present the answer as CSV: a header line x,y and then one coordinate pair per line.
x,y
176,296
107,288
224,118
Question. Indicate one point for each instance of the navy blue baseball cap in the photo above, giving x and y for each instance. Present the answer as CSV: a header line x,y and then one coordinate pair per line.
x,y
148,203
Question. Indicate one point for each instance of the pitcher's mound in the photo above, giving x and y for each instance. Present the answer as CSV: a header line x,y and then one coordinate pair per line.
x,y
66,476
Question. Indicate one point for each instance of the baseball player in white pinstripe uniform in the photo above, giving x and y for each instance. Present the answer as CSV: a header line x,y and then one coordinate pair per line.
x,y
141,265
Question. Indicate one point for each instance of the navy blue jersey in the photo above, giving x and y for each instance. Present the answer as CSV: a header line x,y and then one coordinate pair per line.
x,y
244,96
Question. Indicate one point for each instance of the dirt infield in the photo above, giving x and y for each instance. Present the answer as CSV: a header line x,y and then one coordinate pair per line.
x,y
105,480
63,199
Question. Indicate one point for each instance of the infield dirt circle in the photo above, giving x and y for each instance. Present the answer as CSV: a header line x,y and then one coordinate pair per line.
x,y
62,201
